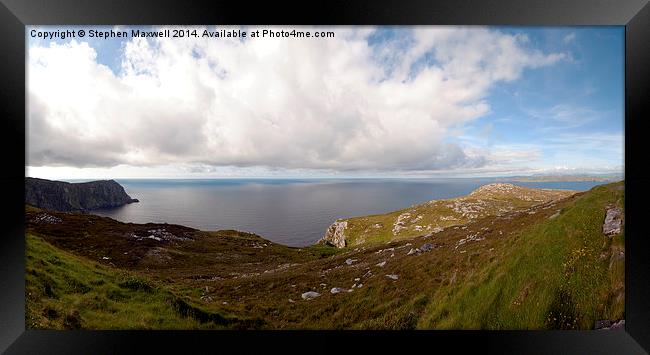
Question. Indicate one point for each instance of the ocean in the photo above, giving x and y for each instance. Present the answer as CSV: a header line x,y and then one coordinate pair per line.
x,y
294,212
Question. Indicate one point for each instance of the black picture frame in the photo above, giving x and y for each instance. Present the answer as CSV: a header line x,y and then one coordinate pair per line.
x,y
16,14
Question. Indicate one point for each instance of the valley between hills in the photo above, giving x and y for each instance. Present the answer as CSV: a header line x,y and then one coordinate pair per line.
x,y
502,257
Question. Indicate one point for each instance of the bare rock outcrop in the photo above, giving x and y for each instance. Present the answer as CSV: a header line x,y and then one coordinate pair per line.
x,y
613,221
335,234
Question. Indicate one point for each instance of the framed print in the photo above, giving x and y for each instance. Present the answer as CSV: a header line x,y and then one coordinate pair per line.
x,y
364,175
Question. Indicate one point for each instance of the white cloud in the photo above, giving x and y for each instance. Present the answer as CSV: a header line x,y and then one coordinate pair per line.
x,y
339,104
571,37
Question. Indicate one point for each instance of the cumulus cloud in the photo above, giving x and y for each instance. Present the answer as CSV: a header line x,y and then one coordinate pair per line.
x,y
346,103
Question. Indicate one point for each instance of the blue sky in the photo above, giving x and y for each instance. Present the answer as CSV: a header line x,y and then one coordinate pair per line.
x,y
564,109
394,101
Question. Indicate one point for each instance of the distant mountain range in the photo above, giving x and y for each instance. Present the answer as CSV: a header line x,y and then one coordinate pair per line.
x,y
563,178
66,197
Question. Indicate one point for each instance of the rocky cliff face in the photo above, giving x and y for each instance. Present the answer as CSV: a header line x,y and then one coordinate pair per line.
x,y
335,234
65,196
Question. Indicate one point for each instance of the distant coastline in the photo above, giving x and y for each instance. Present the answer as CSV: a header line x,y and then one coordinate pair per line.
x,y
562,178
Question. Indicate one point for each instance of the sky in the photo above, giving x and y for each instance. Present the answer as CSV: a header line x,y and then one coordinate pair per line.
x,y
423,101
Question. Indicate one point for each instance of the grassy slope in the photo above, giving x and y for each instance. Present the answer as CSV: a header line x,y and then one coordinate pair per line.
x,y
427,217
67,292
561,273
528,270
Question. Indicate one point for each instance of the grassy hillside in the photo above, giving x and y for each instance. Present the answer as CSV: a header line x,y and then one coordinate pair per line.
x,y
559,273
434,216
67,292
546,266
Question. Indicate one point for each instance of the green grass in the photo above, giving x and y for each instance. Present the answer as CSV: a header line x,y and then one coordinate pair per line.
x,y
322,250
550,276
68,292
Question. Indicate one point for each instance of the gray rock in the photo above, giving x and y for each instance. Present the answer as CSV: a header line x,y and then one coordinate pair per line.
x,y
381,264
350,261
336,290
413,251
392,277
426,247
46,218
335,234
613,221
309,295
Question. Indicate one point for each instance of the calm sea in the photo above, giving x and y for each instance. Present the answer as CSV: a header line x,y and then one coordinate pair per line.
x,y
292,212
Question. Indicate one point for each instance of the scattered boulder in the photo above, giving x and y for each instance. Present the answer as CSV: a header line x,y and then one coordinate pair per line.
x,y
46,219
336,290
381,264
400,222
350,261
392,277
426,247
309,295
613,221
413,251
